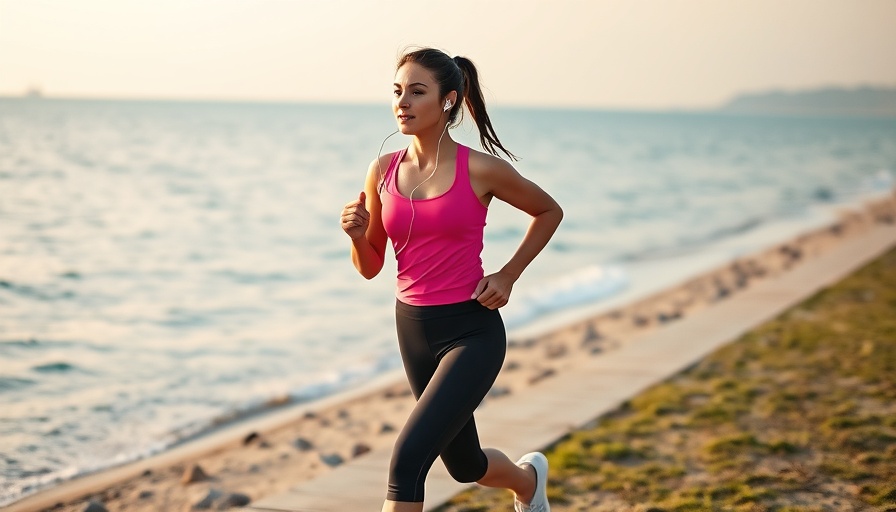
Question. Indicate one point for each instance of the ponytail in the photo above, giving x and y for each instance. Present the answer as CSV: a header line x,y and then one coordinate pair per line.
x,y
472,95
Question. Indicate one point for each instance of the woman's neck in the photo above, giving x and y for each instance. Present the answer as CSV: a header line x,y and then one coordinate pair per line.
x,y
425,147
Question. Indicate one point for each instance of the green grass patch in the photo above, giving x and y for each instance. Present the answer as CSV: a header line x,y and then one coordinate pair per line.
x,y
729,446
843,469
614,451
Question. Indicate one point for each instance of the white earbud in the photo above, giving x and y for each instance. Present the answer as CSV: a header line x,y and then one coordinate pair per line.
x,y
447,106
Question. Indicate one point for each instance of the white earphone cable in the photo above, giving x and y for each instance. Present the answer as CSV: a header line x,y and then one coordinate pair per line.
x,y
382,180
411,195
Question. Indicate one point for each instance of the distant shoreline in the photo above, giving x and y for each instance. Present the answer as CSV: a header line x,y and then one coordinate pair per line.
x,y
771,104
830,101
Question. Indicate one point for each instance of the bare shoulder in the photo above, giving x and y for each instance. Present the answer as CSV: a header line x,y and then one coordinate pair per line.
x,y
376,171
380,163
485,166
492,176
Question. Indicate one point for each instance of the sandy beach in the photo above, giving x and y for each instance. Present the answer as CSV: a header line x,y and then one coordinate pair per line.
x,y
269,455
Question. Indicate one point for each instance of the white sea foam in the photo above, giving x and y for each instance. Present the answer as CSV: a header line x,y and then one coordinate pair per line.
x,y
585,285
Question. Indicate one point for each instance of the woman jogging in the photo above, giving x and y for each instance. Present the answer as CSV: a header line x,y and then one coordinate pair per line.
x,y
430,202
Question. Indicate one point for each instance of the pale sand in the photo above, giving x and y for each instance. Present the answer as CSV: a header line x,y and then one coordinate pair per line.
x,y
271,462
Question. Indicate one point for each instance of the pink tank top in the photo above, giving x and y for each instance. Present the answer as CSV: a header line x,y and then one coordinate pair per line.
x,y
440,262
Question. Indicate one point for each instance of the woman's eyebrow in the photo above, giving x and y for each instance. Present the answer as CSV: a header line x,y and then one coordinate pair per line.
x,y
396,84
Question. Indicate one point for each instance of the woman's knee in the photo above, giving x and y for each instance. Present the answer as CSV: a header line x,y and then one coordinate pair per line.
x,y
467,470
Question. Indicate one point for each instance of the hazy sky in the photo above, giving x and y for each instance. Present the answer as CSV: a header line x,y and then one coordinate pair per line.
x,y
609,54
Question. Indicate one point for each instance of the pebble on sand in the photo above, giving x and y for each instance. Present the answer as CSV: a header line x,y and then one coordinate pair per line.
x,y
208,501
95,506
221,500
541,375
303,444
668,317
194,473
721,291
498,391
393,393
555,350
332,460
591,334
360,449
234,499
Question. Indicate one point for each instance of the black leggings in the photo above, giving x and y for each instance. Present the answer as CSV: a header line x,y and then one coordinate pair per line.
x,y
452,355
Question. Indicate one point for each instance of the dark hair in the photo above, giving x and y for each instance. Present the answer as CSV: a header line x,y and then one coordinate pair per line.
x,y
459,74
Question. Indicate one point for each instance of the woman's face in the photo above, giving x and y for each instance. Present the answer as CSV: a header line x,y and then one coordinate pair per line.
x,y
416,102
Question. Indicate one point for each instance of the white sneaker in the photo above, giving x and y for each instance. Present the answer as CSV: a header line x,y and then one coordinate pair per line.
x,y
540,500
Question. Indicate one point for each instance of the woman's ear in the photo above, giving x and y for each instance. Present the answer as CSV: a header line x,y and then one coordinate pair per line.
x,y
450,100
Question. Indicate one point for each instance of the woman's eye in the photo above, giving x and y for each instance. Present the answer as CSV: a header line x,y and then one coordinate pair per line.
x,y
396,92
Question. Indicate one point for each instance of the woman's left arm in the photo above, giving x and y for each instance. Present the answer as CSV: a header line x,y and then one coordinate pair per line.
x,y
502,181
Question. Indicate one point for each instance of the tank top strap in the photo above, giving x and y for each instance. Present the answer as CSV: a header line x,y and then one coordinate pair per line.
x,y
388,181
463,162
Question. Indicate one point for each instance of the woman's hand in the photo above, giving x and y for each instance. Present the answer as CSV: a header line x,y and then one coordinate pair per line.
x,y
355,217
493,290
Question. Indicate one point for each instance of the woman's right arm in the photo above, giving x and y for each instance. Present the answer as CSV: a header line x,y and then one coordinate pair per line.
x,y
362,221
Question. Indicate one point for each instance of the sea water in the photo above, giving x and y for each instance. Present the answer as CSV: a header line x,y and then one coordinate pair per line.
x,y
169,266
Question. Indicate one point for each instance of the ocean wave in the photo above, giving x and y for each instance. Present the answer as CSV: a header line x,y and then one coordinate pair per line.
x,y
30,342
11,383
579,287
48,293
57,367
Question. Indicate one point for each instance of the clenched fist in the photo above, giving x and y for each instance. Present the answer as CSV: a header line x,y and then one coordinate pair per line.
x,y
355,217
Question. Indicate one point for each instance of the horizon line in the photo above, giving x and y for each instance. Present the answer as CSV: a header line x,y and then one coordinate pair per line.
x,y
35,95
30,96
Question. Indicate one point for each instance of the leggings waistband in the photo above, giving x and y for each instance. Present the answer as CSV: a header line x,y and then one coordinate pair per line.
x,y
440,310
